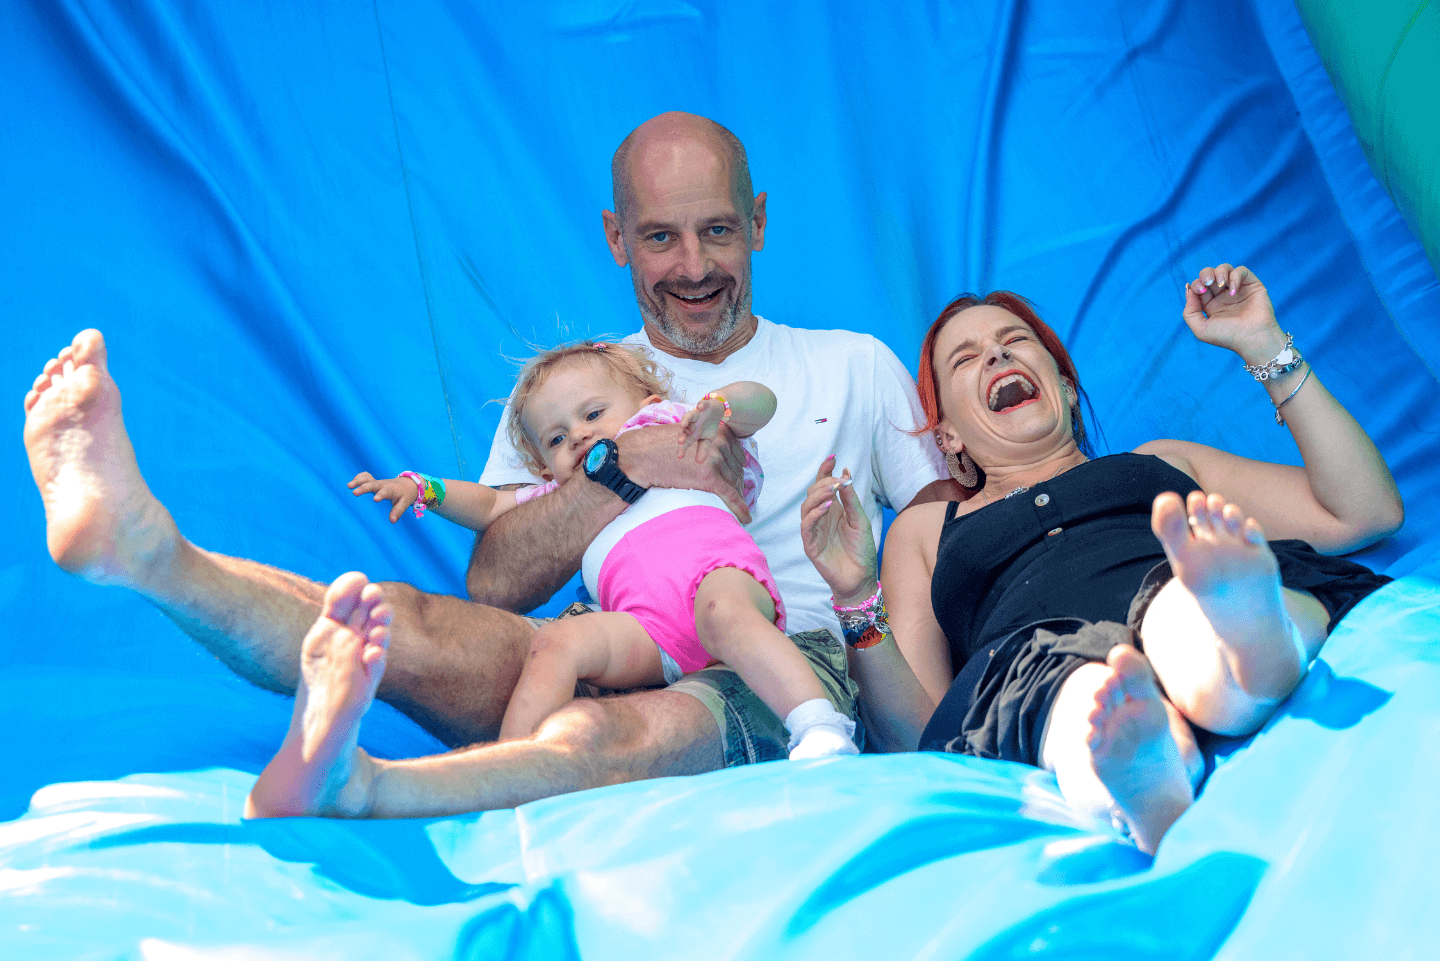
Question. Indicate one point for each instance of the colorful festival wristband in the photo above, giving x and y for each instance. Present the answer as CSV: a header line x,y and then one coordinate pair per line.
x,y
872,635
866,624
429,491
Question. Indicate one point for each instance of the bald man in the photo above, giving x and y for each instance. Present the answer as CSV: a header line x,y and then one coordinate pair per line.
x,y
685,222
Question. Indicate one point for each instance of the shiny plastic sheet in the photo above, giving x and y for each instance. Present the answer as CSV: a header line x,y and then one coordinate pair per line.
x,y
313,235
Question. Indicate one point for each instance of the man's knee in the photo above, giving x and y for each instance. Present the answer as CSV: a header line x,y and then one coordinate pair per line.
x,y
595,738
612,740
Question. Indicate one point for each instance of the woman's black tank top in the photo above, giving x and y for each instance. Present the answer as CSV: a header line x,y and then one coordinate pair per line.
x,y
1077,545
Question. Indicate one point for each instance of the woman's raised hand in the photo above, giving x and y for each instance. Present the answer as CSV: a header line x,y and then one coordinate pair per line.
x,y
1229,307
837,536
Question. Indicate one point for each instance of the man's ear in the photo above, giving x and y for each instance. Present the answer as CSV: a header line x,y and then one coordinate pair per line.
x,y
615,238
757,223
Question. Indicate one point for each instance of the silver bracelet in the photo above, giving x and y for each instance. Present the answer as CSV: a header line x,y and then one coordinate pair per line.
x,y
1287,360
1279,418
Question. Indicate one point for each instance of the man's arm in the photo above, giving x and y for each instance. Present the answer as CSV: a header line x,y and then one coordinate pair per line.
x,y
529,553
940,490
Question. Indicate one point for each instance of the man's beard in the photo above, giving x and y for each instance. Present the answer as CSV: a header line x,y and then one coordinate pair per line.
x,y
706,342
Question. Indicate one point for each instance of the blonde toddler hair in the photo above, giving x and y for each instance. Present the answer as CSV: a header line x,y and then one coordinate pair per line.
x,y
629,365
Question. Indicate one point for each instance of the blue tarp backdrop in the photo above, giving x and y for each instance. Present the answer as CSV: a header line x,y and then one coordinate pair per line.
x,y
314,236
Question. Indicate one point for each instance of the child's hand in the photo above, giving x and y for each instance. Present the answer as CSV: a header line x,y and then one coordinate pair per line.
x,y
399,491
699,426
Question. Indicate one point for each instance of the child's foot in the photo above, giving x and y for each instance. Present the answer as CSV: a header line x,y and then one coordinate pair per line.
x,y
101,521
823,742
1134,754
818,730
319,769
1221,557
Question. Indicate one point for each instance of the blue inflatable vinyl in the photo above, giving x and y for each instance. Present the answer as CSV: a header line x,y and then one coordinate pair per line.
x,y
316,235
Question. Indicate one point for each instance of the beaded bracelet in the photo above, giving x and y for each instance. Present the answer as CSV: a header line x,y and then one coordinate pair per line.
x,y
715,396
872,603
429,491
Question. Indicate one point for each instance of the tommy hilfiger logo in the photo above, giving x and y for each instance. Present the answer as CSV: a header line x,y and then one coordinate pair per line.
x,y
821,420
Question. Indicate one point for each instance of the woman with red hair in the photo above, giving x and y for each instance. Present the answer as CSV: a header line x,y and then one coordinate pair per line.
x,y
1091,615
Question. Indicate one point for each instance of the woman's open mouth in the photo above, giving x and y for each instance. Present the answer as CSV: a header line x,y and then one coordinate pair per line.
x,y
1010,391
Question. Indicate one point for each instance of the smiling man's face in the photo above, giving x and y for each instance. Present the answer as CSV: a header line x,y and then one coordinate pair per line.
x,y
687,240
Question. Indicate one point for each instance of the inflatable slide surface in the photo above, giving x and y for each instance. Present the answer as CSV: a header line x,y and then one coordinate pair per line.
x,y
317,235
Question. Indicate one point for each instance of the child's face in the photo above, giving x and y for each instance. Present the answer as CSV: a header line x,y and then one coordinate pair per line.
x,y
578,404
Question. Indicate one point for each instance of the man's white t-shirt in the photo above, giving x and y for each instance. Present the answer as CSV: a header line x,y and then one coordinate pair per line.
x,y
838,392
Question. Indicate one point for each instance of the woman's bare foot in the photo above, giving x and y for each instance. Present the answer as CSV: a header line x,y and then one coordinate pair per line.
x,y
1220,556
1134,754
320,769
101,521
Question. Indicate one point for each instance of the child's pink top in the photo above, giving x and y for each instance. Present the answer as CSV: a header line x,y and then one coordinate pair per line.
x,y
670,412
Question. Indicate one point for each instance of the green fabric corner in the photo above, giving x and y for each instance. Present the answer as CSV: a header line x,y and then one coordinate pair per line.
x,y
1384,59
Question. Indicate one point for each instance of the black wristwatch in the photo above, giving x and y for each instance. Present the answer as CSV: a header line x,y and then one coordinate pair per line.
x,y
602,465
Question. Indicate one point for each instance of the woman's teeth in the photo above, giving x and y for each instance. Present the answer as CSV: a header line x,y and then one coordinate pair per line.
x,y
1010,391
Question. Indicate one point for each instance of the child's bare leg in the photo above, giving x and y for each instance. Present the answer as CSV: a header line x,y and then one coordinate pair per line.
x,y
610,649
735,619
341,662
1227,640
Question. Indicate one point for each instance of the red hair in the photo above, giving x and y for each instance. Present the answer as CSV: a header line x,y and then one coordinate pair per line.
x,y
1005,300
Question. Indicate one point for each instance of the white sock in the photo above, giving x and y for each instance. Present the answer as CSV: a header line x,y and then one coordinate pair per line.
x,y
818,730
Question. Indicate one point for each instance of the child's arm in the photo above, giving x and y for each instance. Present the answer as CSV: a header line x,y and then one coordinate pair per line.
x,y
751,406
465,503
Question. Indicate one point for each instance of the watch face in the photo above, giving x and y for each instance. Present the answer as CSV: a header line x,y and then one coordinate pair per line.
x,y
594,458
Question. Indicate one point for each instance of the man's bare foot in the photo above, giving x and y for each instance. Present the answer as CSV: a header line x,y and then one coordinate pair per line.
x,y
320,769
1134,754
1221,557
101,521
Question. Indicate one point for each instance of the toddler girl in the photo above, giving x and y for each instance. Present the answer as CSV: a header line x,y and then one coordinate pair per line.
x,y
680,582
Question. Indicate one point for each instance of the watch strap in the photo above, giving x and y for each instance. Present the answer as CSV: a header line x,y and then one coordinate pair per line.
x,y
609,475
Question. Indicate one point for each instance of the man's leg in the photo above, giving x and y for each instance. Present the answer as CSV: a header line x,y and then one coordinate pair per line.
x,y
320,770
588,743
452,664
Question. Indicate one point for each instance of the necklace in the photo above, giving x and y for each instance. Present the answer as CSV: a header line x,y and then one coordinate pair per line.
x,y
1020,490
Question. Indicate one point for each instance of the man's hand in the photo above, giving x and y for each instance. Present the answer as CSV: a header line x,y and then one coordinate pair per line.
x,y
648,458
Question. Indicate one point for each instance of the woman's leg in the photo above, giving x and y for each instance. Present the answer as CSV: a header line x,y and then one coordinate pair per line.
x,y
610,649
1119,749
1226,639
735,621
